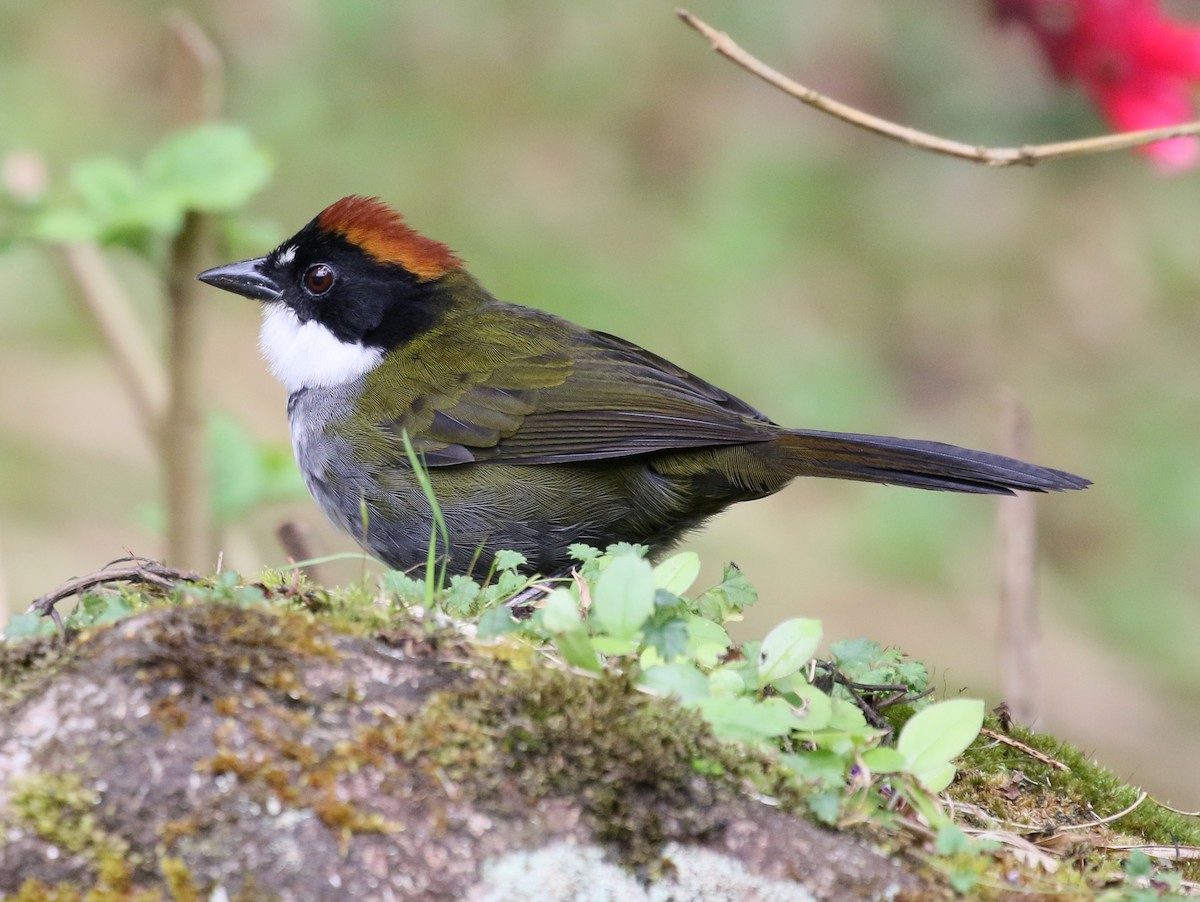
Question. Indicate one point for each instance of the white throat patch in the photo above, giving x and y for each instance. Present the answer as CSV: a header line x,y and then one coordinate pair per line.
x,y
307,355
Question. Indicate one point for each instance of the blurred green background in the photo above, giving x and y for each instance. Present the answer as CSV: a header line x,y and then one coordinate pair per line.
x,y
600,162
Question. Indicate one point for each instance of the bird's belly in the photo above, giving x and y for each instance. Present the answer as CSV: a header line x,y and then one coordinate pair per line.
x,y
539,510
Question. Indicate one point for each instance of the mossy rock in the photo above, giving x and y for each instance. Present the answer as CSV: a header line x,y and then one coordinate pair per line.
x,y
267,753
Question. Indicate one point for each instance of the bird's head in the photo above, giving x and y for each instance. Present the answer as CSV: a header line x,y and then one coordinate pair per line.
x,y
347,288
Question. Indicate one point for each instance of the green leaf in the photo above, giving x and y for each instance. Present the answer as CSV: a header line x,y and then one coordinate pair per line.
x,y
236,467
936,778
1138,865
582,553
815,708
576,648
677,573
707,641
212,168
23,626
114,204
495,621
117,607
846,732
400,584
937,734
611,645
820,767
963,881
883,760
725,682
510,583
745,720
825,806
461,595
847,717
621,549
121,203
67,226
560,611
852,653
247,473
668,637
510,560
682,680
913,674
787,648
725,601
623,597
108,186
950,839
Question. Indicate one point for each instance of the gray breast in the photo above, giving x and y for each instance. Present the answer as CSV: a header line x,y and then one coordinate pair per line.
x,y
324,459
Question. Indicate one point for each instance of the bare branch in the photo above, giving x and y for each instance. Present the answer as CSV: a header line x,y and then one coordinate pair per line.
x,y
1026,155
134,570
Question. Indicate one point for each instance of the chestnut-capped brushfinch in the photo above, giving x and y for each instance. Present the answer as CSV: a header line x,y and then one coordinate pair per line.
x,y
536,433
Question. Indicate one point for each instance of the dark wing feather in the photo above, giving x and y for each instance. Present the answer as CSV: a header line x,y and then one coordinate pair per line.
x,y
606,398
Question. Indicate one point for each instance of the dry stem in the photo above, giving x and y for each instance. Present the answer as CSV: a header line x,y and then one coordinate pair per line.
x,y
134,569
1016,528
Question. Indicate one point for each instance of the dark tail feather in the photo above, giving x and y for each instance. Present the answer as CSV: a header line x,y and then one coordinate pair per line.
x,y
920,464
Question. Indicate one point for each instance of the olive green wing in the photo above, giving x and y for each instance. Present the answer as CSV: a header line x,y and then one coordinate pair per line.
x,y
596,397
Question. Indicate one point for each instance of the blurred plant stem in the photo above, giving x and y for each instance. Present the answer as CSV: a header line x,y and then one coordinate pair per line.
x,y
5,610
169,400
195,86
110,311
182,440
1016,531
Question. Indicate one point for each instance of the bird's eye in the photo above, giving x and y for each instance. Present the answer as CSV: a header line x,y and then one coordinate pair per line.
x,y
318,278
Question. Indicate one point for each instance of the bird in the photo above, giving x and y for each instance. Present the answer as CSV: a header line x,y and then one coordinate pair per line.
x,y
536,434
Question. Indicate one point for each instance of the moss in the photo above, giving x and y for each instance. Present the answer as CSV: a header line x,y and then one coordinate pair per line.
x,y
1012,786
33,890
625,757
26,665
178,878
61,810
492,727
216,649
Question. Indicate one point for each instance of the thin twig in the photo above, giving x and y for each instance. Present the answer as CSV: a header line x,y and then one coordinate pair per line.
x,y
1107,820
1170,853
1026,155
136,570
1028,750
1176,810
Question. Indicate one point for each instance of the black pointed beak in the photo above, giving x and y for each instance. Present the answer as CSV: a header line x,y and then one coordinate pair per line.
x,y
246,278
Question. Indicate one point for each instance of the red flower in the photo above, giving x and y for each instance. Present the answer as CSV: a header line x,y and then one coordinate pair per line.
x,y
1135,63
